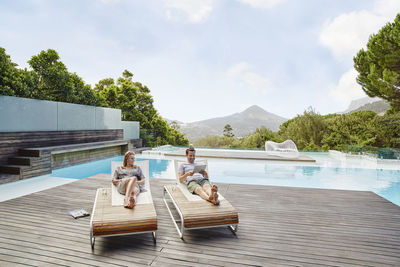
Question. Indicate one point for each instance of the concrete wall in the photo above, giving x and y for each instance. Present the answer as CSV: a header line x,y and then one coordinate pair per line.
x,y
23,114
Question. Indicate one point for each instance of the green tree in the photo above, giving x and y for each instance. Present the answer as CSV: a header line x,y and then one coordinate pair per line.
x,y
379,65
54,82
258,138
136,104
174,125
355,129
305,130
228,131
387,130
13,81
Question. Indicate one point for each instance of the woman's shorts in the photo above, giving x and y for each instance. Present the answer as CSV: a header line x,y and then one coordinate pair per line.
x,y
192,185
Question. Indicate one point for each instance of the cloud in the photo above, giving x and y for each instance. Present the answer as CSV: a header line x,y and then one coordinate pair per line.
x,y
242,75
347,33
194,11
262,3
347,89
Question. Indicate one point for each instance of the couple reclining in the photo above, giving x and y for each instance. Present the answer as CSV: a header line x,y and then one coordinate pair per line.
x,y
129,179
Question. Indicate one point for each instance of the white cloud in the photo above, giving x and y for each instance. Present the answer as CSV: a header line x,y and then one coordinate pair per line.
x,y
262,3
243,75
347,89
195,11
349,32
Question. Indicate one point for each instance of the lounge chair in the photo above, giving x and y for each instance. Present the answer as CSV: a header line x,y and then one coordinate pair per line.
x,y
110,218
195,212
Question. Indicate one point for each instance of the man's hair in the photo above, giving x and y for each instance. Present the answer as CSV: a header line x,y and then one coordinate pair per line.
x,y
190,149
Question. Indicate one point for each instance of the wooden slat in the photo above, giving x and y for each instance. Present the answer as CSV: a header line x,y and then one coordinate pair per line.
x,y
109,220
203,213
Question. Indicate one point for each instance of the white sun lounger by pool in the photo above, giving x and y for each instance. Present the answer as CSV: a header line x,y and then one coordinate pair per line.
x,y
195,212
110,218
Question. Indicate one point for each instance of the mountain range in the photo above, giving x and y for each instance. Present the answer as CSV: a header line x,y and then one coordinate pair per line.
x,y
242,123
247,121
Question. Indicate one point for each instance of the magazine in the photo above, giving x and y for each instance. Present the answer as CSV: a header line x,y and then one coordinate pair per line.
x,y
78,213
199,168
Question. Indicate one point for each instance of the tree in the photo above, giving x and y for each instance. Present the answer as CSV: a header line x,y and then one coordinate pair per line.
x,y
305,130
14,81
228,131
174,125
379,65
54,82
136,104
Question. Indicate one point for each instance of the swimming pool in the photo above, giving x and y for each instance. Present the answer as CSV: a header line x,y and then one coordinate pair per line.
x,y
327,172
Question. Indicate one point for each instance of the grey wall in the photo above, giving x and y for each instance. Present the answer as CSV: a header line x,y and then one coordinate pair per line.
x,y
23,114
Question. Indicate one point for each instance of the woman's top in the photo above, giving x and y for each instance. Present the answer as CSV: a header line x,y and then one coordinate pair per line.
x,y
121,173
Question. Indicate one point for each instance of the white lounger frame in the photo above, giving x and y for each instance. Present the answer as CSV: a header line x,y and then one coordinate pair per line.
x,y
144,165
181,230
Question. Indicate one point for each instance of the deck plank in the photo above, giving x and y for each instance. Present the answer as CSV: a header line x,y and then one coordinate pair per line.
x,y
278,226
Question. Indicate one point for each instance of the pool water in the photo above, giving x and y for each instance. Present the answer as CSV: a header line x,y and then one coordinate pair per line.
x,y
327,172
323,174
156,168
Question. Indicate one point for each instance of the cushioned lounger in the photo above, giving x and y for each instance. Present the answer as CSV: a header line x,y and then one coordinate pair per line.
x,y
109,217
194,212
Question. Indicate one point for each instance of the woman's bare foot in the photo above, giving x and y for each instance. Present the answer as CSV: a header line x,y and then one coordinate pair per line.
x,y
126,202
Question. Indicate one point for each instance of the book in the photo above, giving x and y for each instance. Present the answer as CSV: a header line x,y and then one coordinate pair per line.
x,y
78,213
199,168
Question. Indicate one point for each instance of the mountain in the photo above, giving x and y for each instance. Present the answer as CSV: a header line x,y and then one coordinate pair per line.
x,y
355,104
379,107
242,123
375,104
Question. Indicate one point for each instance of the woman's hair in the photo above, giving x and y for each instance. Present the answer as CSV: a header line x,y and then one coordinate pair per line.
x,y
126,156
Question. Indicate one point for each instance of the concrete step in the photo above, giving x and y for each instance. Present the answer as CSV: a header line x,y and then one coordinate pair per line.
x,y
19,160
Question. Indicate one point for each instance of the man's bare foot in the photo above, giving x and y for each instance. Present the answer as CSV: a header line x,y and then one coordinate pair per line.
x,y
214,193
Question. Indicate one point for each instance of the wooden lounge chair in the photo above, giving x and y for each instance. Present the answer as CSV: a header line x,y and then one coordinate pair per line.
x,y
110,218
195,212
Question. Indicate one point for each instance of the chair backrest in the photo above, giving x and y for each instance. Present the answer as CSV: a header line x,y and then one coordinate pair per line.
x,y
179,162
143,164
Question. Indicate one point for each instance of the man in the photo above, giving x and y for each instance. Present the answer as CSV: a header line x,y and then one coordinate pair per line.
x,y
197,183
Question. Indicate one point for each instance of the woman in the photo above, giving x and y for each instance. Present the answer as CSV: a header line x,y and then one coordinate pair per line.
x,y
129,180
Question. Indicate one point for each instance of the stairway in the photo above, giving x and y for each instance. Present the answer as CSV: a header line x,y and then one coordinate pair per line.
x,y
24,164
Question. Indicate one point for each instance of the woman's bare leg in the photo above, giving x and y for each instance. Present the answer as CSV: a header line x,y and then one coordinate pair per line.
x,y
130,197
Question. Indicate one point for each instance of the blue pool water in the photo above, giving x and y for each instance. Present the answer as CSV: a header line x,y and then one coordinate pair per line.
x,y
156,167
384,182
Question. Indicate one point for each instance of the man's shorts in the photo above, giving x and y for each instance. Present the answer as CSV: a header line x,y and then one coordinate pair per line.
x,y
192,185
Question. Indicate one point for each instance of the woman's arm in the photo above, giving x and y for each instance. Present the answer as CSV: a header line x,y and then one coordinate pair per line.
x,y
115,180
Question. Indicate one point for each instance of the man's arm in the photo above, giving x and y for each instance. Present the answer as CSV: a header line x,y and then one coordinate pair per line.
x,y
204,173
182,177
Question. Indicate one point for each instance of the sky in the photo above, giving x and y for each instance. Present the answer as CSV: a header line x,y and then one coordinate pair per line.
x,y
206,58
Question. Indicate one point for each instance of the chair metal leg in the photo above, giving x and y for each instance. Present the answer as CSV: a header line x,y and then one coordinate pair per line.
x,y
180,231
233,228
154,236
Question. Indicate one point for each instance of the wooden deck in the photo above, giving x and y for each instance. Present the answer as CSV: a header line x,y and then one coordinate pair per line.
x,y
278,226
